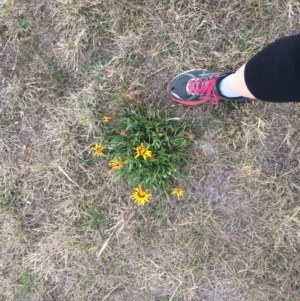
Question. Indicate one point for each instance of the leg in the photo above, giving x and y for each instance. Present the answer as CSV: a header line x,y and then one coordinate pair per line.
x,y
273,75
238,84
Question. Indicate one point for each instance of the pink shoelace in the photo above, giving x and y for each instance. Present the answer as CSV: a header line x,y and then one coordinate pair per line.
x,y
205,88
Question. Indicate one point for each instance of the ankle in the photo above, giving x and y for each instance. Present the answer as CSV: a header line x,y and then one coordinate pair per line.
x,y
225,88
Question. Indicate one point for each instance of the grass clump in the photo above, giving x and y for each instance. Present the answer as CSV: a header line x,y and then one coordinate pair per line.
x,y
95,217
147,148
29,282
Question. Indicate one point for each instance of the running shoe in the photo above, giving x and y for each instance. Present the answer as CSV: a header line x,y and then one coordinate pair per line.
x,y
196,87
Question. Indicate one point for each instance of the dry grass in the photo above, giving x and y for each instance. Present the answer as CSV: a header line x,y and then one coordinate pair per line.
x,y
68,230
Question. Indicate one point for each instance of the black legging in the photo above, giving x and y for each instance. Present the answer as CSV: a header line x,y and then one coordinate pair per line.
x,y
273,74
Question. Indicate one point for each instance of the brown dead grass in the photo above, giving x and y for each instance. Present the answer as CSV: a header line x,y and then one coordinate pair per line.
x,y
66,63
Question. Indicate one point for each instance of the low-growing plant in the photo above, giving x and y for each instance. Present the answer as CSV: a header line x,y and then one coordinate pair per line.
x,y
146,148
160,212
95,217
29,282
152,146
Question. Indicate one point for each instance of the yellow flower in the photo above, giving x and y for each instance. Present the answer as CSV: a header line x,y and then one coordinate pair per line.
x,y
107,119
143,152
178,191
117,163
140,196
98,150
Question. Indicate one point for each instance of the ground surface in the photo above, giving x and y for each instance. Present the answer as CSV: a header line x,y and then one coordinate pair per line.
x,y
63,65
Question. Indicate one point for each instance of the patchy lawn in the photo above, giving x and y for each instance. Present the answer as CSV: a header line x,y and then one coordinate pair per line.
x,y
69,230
